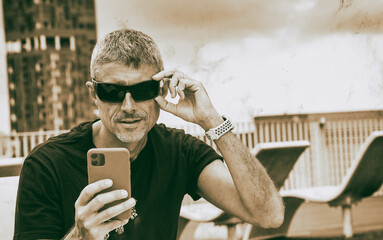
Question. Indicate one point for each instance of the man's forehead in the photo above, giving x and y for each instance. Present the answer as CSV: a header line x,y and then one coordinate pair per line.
x,y
123,74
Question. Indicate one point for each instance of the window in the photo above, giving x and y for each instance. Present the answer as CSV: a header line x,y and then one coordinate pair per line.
x,y
50,42
9,24
38,67
12,102
23,44
64,42
30,23
66,11
39,99
14,47
13,117
43,42
26,44
38,25
47,25
28,3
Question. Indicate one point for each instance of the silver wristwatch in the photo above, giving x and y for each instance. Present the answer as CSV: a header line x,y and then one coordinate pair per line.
x,y
217,132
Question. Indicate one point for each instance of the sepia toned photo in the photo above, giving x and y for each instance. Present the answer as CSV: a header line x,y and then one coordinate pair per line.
x,y
191,120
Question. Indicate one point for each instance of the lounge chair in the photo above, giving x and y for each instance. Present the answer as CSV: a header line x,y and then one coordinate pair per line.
x,y
278,158
364,177
11,167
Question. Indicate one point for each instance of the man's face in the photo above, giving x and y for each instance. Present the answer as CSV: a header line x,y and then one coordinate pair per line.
x,y
129,121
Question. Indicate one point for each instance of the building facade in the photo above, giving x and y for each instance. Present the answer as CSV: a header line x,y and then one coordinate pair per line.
x,y
49,44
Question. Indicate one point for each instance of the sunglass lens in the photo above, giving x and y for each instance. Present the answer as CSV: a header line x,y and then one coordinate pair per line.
x,y
110,92
145,91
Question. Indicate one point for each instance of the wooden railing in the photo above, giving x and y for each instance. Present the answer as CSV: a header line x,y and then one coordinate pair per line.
x,y
20,144
335,139
244,130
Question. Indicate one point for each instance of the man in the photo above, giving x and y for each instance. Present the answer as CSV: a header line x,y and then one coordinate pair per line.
x,y
129,86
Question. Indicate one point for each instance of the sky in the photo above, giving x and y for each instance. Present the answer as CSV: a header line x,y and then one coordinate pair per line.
x,y
264,57
267,57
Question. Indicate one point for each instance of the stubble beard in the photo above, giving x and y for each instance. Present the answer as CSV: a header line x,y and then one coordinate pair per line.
x,y
131,136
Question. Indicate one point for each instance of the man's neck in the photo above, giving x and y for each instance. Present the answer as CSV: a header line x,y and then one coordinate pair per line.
x,y
102,138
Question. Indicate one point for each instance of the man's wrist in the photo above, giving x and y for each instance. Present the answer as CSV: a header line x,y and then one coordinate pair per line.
x,y
212,122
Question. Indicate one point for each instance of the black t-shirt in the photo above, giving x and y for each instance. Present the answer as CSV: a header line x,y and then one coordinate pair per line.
x,y
54,174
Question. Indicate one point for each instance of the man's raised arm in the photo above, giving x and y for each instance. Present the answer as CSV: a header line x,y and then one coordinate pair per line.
x,y
243,188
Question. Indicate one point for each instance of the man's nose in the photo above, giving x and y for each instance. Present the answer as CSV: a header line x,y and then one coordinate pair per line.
x,y
128,105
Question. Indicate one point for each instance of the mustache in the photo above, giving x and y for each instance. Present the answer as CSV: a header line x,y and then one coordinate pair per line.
x,y
125,115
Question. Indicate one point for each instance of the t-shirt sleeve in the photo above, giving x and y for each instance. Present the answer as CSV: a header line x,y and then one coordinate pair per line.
x,y
198,155
38,215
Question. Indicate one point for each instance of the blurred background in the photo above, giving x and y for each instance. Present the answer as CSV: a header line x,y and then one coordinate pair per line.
x,y
283,70
254,57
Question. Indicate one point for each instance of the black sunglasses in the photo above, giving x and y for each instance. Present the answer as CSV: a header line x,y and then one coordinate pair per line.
x,y
115,93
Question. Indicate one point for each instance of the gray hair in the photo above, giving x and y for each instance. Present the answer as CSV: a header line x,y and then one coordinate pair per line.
x,y
128,47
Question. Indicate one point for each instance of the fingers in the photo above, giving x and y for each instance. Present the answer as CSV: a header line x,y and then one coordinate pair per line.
x,y
92,189
165,105
174,83
181,89
165,87
111,212
92,222
172,79
102,199
164,74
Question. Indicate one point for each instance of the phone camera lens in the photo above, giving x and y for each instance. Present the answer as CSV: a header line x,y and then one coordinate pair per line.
x,y
97,159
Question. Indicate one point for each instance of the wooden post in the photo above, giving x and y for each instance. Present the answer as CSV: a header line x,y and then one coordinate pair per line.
x,y
319,151
25,145
234,231
347,220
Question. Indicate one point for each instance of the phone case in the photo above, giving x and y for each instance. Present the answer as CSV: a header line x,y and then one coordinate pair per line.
x,y
115,165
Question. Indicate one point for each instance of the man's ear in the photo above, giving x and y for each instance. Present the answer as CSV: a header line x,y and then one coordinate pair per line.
x,y
91,90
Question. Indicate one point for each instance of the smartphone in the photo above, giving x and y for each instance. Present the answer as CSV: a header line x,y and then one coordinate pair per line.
x,y
114,164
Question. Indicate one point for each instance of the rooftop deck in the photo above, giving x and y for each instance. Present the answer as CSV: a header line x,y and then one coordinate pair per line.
x,y
320,220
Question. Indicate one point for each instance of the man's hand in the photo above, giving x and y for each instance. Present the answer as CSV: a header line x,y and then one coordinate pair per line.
x,y
194,104
89,222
